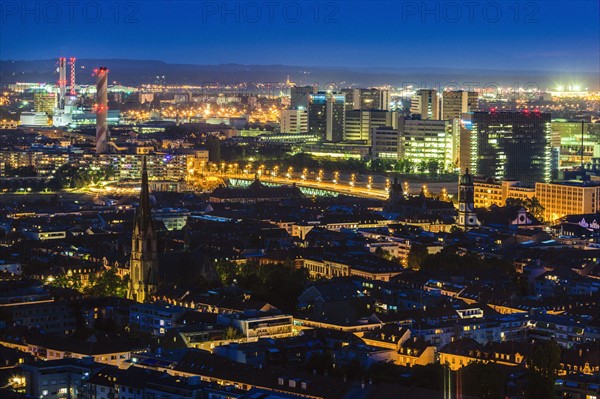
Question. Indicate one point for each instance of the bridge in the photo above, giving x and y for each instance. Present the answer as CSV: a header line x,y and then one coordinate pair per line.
x,y
309,187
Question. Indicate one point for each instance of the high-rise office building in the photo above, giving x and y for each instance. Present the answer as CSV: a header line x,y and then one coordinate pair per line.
x,y
360,123
509,145
294,120
327,116
300,96
367,99
427,141
386,142
317,122
336,117
456,103
426,104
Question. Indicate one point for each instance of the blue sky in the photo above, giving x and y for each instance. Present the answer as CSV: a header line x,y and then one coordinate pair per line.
x,y
528,35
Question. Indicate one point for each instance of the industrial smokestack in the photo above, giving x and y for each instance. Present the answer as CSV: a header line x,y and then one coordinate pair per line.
x,y
62,80
72,62
101,110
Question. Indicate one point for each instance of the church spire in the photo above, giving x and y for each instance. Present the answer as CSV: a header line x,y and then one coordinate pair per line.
x,y
143,263
143,215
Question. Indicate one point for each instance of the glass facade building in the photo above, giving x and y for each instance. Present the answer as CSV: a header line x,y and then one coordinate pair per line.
x,y
510,145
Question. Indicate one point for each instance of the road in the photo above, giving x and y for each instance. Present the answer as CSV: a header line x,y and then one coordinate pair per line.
x,y
359,189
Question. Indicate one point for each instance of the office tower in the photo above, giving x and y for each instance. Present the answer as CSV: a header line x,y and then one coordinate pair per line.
x,y
44,102
456,103
426,104
317,122
326,115
143,264
367,99
300,96
360,123
101,110
428,142
294,120
336,117
386,142
509,145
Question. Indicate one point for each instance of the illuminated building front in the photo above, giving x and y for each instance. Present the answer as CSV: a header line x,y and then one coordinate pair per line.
x,y
510,145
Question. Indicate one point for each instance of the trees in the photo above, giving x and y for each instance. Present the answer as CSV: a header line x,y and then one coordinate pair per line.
x,y
532,205
226,270
416,256
434,167
213,145
278,284
543,365
485,381
108,283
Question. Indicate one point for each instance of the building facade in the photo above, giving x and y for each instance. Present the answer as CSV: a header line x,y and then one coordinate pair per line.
x,y
456,103
294,121
360,123
428,141
510,145
426,104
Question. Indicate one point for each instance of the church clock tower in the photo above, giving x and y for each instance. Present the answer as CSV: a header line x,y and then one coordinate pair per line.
x,y
466,201
143,264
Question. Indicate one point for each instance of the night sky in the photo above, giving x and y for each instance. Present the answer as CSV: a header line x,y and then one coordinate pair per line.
x,y
526,35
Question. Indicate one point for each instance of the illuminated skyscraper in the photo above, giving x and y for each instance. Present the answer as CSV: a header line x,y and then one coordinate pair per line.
x,y
327,116
336,117
509,145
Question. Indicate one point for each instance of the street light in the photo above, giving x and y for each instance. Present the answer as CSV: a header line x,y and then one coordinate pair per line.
x,y
320,176
336,176
352,179
370,182
304,174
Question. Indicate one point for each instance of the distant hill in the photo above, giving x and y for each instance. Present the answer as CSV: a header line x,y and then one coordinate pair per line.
x,y
134,72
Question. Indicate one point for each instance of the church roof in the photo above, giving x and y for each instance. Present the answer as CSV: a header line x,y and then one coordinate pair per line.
x,y
143,215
